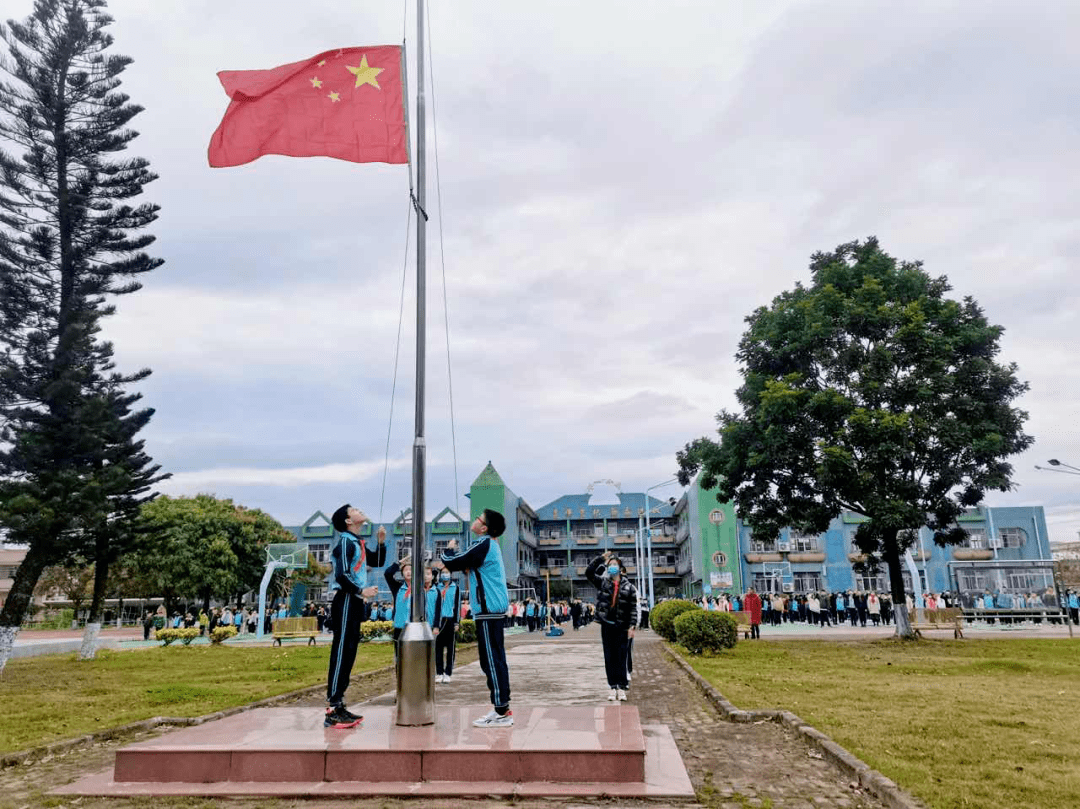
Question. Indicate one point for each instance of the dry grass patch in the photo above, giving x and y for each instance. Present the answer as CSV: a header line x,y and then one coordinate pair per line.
x,y
43,699
970,723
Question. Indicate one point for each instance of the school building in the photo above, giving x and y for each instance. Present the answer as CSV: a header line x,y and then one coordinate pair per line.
x,y
699,546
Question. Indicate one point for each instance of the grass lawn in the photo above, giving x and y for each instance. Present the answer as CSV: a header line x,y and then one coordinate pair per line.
x,y
43,699
968,723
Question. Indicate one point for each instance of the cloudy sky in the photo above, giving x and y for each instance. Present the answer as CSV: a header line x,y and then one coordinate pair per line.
x,y
621,184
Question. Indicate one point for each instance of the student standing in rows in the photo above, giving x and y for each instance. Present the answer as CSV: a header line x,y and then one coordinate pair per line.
x,y
617,611
487,586
349,560
752,605
448,602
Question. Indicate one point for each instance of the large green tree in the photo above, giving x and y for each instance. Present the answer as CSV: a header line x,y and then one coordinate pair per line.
x,y
868,391
69,243
202,547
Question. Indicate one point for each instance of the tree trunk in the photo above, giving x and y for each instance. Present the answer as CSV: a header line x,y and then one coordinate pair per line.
x,y
206,603
18,600
88,650
899,597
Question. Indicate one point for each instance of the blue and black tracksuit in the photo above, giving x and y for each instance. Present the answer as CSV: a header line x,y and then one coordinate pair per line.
x,y
447,609
349,560
490,600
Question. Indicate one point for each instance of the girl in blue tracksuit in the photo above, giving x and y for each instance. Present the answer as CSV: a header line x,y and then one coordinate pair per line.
x,y
447,609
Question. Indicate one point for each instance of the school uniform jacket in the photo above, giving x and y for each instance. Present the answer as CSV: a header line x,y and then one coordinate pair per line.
x,y
350,559
624,613
487,580
447,606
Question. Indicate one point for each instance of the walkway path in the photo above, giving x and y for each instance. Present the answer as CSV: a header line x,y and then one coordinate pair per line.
x,y
731,765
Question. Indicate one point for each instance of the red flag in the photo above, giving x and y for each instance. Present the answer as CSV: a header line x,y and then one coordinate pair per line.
x,y
347,104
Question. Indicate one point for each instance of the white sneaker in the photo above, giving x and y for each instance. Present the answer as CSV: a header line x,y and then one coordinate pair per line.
x,y
446,678
614,695
622,695
493,720
438,678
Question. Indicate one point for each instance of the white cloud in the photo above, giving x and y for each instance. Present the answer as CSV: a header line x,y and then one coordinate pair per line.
x,y
207,479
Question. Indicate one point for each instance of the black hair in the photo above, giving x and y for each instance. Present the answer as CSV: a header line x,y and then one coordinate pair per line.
x,y
338,520
495,522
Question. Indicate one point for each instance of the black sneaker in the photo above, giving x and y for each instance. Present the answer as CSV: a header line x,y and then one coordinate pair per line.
x,y
352,715
337,717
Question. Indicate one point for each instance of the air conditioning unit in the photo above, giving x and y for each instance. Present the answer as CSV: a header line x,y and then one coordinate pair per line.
x,y
785,547
553,534
789,587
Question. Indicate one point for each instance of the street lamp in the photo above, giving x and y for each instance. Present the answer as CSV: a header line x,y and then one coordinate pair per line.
x,y
1068,470
648,538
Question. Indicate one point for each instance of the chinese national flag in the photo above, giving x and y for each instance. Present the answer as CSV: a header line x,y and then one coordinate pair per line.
x,y
346,104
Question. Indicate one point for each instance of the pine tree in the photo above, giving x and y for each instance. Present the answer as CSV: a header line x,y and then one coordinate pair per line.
x,y
69,243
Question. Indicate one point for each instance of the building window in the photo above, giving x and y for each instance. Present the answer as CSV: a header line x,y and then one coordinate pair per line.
x,y
970,580
612,528
806,582
1028,581
906,576
582,532
320,551
763,545
316,595
598,529
1012,537
764,584
803,542
976,538
870,584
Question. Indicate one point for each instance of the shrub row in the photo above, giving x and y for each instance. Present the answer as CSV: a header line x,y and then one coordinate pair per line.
x,y
684,622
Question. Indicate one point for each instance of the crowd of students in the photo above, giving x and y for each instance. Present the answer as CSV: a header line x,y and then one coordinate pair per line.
x,y
860,608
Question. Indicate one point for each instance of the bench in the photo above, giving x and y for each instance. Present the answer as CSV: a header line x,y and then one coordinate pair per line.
x,y
1011,615
296,628
948,618
742,622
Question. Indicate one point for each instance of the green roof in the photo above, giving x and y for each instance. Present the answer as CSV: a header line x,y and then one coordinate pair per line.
x,y
489,477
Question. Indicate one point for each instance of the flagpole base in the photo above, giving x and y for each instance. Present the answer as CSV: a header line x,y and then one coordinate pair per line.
x,y
416,675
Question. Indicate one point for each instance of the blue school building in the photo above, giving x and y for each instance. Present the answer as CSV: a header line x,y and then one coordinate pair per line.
x,y
695,545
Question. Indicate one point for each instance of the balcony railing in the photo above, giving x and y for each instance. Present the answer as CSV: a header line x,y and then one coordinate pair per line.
x,y
683,532
625,539
664,569
549,540
528,537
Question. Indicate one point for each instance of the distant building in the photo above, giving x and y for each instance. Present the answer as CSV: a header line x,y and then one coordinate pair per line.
x,y
700,547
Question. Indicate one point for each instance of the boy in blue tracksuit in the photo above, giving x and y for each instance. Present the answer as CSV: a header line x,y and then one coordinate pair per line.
x,y
447,609
490,600
350,560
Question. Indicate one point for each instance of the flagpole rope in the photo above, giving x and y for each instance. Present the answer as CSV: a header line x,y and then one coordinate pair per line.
x,y
397,348
442,259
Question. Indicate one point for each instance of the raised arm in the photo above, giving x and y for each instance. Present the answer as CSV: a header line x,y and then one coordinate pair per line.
x,y
592,572
466,560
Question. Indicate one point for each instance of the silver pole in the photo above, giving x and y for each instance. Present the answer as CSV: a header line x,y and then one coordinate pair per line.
x,y
416,650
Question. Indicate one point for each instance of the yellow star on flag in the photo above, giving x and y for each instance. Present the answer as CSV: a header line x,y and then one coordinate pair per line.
x,y
365,74
334,96
323,62
315,82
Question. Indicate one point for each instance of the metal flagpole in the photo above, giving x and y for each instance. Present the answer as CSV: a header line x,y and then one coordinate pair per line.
x,y
416,652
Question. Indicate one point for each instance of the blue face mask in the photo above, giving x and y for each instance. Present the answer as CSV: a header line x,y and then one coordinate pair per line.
x,y
613,570
444,577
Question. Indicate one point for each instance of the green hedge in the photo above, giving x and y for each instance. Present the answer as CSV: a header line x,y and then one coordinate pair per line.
x,y
221,634
466,631
705,631
662,618
184,634
369,630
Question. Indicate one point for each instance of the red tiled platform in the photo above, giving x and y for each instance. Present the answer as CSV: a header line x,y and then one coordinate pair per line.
x,y
572,751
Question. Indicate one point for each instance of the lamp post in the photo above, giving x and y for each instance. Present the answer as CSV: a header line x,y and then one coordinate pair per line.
x,y
648,538
1054,462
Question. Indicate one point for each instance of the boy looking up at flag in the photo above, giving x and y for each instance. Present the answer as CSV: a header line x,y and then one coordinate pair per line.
x,y
349,560
490,600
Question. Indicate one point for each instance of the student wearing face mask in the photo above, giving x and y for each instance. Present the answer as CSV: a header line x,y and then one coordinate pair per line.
x,y
617,611
447,609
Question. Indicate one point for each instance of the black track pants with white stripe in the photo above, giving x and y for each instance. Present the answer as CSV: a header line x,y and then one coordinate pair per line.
x,y
347,613
489,642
